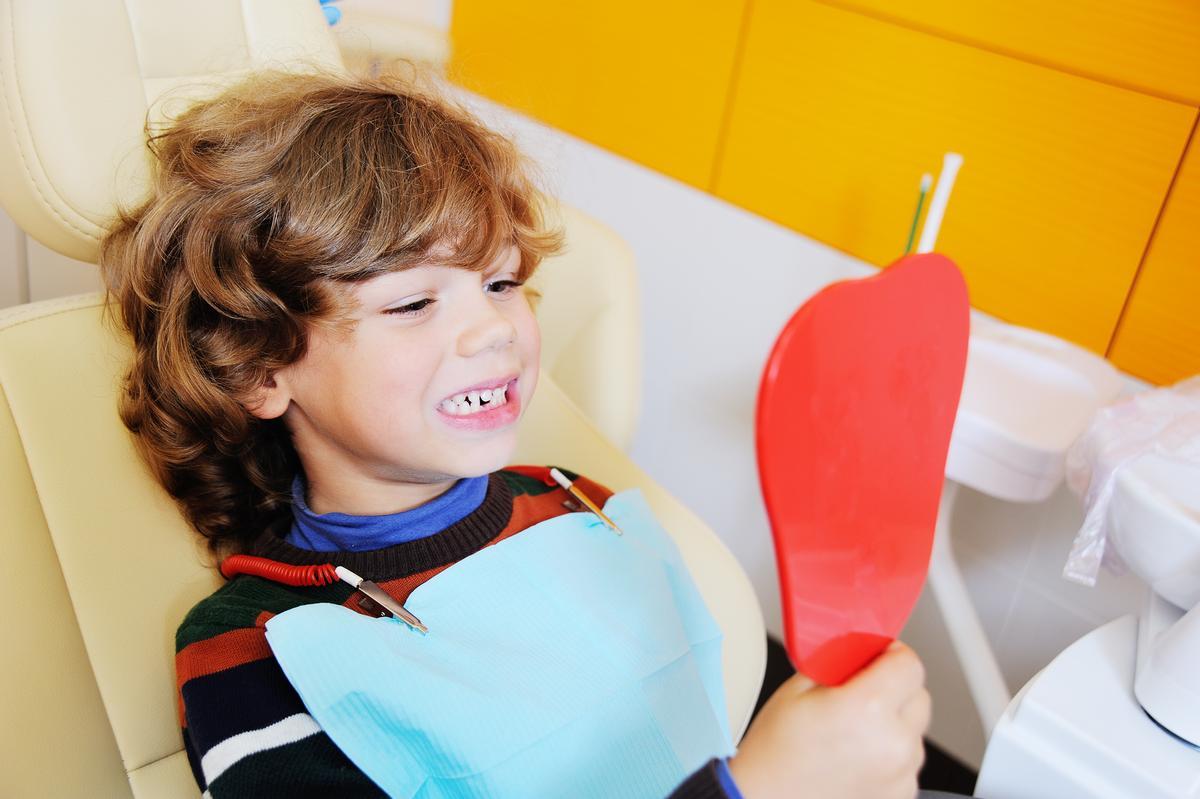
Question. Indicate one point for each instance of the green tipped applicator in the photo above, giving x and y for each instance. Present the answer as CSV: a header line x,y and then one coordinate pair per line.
x,y
926,182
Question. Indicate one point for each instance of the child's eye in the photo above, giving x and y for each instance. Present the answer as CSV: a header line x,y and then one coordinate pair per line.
x,y
504,287
412,309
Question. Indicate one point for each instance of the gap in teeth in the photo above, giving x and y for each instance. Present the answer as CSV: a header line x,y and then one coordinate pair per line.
x,y
475,401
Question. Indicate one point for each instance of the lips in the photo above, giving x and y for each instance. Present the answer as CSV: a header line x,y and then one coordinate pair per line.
x,y
487,419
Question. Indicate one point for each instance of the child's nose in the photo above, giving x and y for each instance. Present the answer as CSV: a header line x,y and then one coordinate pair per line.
x,y
489,330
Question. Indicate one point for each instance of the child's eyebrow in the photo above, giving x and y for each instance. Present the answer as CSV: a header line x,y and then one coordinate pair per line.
x,y
506,255
389,286
439,256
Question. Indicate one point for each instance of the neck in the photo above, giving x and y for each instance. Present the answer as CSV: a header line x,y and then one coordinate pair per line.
x,y
371,497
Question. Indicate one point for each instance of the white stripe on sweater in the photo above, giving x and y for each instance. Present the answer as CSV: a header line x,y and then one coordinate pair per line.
x,y
232,749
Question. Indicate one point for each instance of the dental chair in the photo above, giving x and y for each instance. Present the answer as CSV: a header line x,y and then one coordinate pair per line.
x,y
99,565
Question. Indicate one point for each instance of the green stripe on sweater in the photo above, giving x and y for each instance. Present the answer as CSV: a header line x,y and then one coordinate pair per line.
x,y
238,603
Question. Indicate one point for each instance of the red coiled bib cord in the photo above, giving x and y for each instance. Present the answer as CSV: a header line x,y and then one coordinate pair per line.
x,y
321,574
372,599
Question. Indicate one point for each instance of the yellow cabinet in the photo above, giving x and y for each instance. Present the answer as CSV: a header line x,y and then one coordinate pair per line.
x,y
1159,336
835,116
1152,46
648,81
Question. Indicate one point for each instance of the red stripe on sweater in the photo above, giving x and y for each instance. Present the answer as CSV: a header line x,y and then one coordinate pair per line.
x,y
216,654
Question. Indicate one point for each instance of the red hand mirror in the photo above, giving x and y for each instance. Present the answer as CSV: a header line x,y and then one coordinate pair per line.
x,y
855,411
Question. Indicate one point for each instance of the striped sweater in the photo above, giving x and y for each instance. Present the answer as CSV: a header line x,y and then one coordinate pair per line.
x,y
246,731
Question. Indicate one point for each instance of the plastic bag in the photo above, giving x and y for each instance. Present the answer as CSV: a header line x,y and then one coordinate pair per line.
x,y
1166,421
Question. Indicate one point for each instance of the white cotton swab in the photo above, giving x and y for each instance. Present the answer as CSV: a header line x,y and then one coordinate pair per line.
x,y
347,576
941,197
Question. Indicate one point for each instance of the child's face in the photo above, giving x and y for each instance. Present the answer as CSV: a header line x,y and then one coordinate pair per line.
x,y
376,407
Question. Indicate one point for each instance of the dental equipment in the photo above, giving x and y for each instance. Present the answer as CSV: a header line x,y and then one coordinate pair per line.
x,y
374,599
387,605
926,182
951,162
562,480
1117,713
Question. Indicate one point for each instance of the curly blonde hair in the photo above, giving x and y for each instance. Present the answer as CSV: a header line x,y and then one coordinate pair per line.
x,y
266,203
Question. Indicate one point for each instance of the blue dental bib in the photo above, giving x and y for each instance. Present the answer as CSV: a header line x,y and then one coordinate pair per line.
x,y
562,661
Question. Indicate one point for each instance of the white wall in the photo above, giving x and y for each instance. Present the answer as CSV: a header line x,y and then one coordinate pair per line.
x,y
717,284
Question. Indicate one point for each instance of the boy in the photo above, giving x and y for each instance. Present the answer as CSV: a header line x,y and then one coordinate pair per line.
x,y
332,350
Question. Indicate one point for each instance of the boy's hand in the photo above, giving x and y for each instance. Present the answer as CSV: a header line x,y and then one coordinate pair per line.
x,y
860,740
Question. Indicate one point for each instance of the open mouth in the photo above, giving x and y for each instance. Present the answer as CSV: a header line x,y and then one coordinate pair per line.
x,y
477,400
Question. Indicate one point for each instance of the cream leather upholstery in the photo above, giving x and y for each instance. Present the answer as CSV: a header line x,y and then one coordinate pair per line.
x,y
80,77
591,337
99,565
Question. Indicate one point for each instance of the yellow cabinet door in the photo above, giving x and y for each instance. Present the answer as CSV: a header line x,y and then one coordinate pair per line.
x,y
836,115
1159,335
1152,46
648,81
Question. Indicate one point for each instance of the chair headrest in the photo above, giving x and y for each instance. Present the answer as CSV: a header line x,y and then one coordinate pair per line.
x,y
80,80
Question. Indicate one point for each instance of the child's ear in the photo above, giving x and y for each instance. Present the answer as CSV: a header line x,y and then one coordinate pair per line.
x,y
532,296
271,399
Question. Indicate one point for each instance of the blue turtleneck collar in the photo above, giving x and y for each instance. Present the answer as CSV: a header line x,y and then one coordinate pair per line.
x,y
333,532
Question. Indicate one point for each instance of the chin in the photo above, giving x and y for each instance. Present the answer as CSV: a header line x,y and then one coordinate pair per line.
x,y
494,459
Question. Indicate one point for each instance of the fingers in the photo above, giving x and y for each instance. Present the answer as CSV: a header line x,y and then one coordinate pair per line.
x,y
915,714
907,734
900,751
893,678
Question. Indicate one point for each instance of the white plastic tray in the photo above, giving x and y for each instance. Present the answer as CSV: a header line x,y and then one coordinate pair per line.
x,y
1026,397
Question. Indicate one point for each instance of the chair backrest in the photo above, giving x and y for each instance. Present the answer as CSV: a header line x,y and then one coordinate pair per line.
x,y
79,81
99,564
588,313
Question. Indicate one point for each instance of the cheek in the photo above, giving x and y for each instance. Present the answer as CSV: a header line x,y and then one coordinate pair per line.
x,y
530,335
532,357
534,347
400,374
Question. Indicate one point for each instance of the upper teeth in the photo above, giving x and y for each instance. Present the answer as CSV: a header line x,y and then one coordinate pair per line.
x,y
475,401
